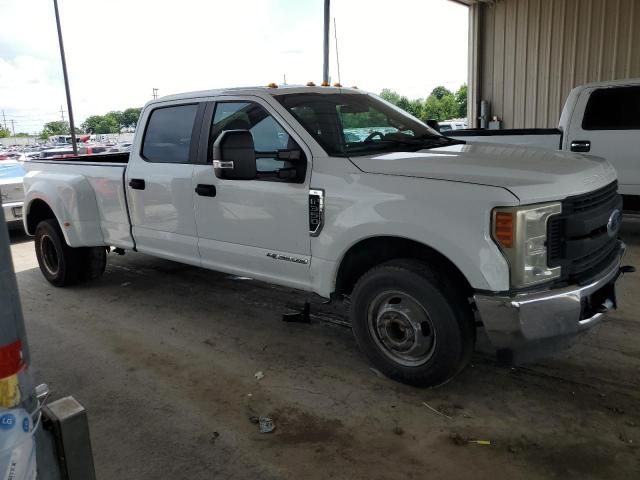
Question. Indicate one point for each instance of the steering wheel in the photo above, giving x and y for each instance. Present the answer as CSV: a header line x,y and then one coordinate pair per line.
x,y
372,135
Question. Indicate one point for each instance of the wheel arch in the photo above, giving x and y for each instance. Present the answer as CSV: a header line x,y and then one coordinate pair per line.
x,y
38,210
370,252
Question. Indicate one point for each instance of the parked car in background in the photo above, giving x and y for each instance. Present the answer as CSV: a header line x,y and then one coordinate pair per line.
x,y
67,150
449,125
600,119
12,192
121,147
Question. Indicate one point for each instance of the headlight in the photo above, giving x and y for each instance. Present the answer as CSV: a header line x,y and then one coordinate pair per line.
x,y
521,233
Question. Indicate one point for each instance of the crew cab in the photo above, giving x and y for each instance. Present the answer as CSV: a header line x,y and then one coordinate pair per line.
x,y
601,119
425,237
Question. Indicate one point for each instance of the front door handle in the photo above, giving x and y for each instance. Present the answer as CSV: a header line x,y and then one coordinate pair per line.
x,y
137,183
206,190
581,146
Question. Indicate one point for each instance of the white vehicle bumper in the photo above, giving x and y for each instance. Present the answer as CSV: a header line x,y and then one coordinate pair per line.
x,y
13,213
525,326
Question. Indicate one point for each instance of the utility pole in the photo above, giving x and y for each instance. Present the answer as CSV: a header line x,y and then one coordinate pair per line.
x,y
5,120
325,66
13,127
62,112
72,126
155,93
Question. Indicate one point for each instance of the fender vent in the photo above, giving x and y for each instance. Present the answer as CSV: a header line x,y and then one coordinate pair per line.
x,y
316,212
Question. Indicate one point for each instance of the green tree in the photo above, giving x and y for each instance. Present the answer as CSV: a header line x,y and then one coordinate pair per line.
x,y
440,92
440,109
390,96
57,127
115,117
4,132
90,125
101,124
22,134
461,100
130,117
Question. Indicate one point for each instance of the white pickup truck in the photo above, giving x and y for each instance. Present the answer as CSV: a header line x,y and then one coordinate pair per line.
x,y
598,118
426,237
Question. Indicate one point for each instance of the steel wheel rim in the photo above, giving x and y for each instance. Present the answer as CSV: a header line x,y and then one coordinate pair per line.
x,y
402,328
49,255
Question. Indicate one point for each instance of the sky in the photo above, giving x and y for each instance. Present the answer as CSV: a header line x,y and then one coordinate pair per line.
x,y
119,50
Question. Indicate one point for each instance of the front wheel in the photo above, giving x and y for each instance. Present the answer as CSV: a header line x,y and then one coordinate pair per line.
x,y
61,264
412,325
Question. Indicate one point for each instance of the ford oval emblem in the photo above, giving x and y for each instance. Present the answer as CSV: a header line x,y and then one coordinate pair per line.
x,y
615,219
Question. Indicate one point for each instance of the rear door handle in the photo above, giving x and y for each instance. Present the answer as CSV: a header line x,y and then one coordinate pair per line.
x,y
137,183
582,146
206,190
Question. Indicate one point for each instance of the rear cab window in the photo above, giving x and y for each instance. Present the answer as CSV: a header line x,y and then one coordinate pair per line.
x,y
614,108
167,137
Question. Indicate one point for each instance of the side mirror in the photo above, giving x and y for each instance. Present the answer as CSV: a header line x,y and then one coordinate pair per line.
x,y
433,124
234,156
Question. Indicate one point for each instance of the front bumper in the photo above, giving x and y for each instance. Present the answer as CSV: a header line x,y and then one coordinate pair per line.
x,y
13,213
527,325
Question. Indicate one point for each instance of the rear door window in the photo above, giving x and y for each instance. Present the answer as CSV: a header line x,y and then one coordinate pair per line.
x,y
168,135
616,108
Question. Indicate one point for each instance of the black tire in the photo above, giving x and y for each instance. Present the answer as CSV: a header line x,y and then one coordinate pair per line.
x,y
414,325
63,265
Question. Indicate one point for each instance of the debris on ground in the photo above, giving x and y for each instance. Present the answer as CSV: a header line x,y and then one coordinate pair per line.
x,y
266,425
301,316
125,284
625,438
254,419
450,410
214,437
480,442
522,443
259,375
459,440
435,410
398,430
376,372
613,409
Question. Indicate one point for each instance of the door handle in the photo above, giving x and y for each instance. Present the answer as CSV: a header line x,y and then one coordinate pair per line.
x,y
206,190
137,183
582,146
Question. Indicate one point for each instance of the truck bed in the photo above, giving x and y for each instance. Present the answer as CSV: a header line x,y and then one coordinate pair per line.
x,y
548,138
94,202
115,157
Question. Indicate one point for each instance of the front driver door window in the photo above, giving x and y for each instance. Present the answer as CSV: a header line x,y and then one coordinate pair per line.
x,y
269,138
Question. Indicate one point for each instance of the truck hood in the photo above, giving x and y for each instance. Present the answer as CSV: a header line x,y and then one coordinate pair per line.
x,y
531,174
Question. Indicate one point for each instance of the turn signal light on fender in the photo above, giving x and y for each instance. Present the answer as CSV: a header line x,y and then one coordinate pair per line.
x,y
503,228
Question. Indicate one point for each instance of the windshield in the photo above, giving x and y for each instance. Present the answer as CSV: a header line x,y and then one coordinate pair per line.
x,y
348,124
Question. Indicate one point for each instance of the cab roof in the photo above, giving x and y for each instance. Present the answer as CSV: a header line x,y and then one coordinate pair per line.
x,y
258,91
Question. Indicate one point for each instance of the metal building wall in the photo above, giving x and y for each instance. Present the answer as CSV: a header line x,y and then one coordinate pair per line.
x,y
530,53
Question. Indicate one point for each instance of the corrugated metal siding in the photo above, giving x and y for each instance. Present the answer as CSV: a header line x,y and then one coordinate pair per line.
x,y
533,52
